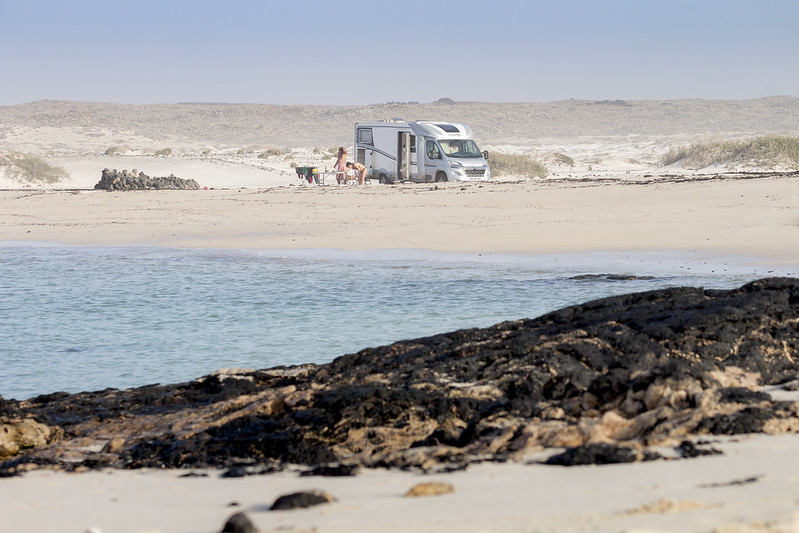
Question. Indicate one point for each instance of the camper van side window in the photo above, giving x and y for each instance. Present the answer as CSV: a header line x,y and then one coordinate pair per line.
x,y
432,150
413,144
365,136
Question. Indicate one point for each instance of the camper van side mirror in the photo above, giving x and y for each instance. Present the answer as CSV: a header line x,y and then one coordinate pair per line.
x,y
485,155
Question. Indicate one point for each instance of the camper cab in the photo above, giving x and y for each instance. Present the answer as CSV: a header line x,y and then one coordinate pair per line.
x,y
421,151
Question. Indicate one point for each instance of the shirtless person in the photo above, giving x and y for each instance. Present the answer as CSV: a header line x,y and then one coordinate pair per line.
x,y
361,170
341,164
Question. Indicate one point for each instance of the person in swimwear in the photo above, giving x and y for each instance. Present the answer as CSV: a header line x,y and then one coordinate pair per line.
x,y
360,169
341,164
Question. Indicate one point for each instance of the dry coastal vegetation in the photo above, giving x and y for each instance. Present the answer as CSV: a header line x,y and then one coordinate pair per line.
x,y
525,140
31,169
764,151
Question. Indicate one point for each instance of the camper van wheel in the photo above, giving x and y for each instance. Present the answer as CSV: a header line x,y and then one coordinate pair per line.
x,y
382,178
441,176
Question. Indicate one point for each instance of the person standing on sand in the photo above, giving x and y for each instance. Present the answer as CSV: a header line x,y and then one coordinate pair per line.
x,y
360,169
341,164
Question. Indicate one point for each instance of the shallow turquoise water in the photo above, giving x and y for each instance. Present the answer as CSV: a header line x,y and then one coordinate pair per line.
x,y
87,318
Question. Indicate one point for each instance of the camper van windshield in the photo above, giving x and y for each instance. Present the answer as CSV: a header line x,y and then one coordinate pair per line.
x,y
460,148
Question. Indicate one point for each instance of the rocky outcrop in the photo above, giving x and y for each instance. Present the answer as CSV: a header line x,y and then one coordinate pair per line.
x,y
114,180
605,381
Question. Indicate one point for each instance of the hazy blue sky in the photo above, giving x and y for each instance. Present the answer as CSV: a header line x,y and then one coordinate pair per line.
x,y
364,52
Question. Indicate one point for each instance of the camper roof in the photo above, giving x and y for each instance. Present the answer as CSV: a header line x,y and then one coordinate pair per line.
x,y
441,130
429,128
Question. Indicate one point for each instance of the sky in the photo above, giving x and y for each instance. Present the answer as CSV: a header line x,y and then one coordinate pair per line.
x,y
367,52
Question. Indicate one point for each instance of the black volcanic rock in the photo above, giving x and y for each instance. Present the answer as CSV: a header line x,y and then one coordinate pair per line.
x,y
688,449
125,180
301,500
599,453
239,523
628,371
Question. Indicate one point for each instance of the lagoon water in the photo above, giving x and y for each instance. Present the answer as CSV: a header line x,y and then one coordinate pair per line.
x,y
87,318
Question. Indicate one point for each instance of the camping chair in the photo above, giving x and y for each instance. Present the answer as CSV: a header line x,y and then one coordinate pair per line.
x,y
351,177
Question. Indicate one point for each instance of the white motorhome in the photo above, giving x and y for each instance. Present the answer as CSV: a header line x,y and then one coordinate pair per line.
x,y
421,150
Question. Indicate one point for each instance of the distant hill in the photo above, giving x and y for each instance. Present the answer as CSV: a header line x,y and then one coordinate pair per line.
x,y
327,126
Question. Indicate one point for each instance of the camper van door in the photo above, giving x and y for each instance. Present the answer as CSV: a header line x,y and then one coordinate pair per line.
x,y
433,170
420,158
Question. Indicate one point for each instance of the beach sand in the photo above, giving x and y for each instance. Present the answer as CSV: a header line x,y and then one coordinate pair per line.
x,y
752,487
755,218
605,204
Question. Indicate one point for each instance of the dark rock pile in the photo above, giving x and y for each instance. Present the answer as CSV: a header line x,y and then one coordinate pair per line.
x,y
599,382
126,180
